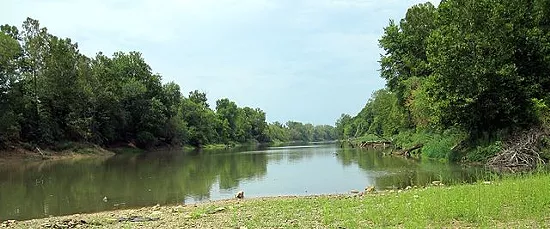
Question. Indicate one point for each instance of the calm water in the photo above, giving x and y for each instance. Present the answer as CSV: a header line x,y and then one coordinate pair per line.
x,y
33,190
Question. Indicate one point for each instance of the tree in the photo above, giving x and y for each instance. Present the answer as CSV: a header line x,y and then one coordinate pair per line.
x,y
229,115
10,100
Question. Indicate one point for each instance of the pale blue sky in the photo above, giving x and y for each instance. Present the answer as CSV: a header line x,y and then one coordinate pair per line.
x,y
302,60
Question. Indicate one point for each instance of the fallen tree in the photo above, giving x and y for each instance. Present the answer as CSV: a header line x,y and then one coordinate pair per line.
x,y
407,152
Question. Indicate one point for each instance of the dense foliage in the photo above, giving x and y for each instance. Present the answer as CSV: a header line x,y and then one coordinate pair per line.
x,y
478,68
51,93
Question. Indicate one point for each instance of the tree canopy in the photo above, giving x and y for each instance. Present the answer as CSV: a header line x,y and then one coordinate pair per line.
x,y
51,93
480,66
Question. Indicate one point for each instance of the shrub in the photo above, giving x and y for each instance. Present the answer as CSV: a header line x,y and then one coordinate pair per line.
x,y
145,140
483,152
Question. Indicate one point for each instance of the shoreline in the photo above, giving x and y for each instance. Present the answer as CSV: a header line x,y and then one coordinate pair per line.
x,y
19,154
520,201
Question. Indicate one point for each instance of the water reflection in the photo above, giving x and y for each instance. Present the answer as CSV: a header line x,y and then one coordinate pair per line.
x,y
58,188
32,190
399,172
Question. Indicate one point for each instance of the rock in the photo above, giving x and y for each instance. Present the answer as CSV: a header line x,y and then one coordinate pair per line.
x,y
436,182
240,195
370,189
8,223
220,209
178,209
156,207
408,187
135,219
105,199
156,213
487,182
354,191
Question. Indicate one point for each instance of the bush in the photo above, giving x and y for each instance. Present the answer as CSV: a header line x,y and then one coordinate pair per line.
x,y
545,148
369,138
437,145
145,140
483,152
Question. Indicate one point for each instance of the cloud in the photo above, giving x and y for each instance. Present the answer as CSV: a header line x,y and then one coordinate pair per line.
x,y
306,60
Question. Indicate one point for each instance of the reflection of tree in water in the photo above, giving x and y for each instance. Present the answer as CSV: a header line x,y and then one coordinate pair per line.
x,y
127,181
373,160
291,154
400,172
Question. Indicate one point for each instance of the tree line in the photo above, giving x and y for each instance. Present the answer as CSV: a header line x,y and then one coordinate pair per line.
x,y
476,68
51,93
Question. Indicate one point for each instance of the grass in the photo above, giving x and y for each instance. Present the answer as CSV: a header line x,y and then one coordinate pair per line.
x,y
520,201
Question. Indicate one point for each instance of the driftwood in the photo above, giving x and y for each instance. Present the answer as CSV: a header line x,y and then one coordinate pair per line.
x,y
365,144
521,150
375,144
407,152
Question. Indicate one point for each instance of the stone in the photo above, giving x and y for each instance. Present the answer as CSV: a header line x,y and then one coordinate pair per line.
x,y
370,189
178,209
354,191
219,209
156,213
436,182
240,195
156,207
8,223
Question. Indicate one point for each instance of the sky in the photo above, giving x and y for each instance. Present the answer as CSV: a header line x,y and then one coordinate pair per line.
x,y
300,60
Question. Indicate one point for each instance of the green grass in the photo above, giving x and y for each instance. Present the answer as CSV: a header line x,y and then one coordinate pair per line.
x,y
525,201
521,201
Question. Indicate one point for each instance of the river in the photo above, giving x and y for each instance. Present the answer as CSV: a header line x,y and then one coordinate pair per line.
x,y
42,189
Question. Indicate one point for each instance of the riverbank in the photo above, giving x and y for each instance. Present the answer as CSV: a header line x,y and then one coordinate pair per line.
x,y
511,202
18,154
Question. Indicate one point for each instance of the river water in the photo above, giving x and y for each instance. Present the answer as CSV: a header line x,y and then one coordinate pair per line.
x,y
42,189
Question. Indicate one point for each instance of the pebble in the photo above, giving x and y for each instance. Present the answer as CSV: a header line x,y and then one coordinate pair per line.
x,y
156,213
370,189
156,207
8,223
